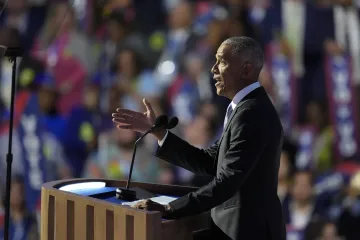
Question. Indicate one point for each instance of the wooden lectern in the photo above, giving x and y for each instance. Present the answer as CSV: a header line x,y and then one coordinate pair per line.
x,y
71,216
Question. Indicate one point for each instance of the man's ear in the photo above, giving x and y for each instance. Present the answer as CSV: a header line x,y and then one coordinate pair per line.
x,y
247,69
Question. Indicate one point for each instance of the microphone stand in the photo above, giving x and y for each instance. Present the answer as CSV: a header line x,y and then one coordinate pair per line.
x,y
126,193
133,158
13,53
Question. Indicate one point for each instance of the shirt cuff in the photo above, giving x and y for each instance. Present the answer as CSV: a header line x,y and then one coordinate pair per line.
x,y
161,142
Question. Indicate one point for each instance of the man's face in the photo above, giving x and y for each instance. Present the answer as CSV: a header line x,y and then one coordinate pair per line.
x,y
226,72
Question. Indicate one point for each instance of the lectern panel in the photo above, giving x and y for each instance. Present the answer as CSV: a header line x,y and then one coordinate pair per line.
x,y
109,225
60,217
100,222
90,222
80,222
70,218
96,214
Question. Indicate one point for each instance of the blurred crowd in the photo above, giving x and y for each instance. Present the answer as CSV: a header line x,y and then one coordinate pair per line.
x,y
83,59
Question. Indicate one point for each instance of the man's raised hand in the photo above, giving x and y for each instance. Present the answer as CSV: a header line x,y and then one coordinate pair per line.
x,y
136,121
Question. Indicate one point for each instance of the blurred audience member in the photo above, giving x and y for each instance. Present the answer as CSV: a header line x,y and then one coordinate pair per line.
x,y
200,133
67,53
23,223
330,232
189,88
350,217
121,34
135,81
116,34
179,39
321,154
83,125
320,229
27,19
317,113
50,160
301,207
48,96
113,158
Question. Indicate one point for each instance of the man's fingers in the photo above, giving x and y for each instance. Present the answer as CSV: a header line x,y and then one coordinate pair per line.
x,y
140,205
124,116
116,115
120,118
148,105
124,126
122,121
126,112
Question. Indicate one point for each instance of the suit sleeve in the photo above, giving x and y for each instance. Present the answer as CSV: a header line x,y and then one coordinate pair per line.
x,y
179,152
248,140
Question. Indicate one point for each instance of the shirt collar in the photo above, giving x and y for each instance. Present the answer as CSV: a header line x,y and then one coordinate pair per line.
x,y
243,92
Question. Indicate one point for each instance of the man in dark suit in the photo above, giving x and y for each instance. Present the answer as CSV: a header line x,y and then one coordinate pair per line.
x,y
244,163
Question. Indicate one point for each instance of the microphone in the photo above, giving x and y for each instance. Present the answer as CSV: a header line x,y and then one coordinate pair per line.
x,y
172,123
125,193
13,51
160,122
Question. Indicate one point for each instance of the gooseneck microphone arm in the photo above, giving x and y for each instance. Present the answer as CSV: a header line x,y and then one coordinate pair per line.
x,y
133,157
126,193
12,53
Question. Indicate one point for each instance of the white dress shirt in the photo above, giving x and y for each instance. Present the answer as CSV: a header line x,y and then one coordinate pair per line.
x,y
238,97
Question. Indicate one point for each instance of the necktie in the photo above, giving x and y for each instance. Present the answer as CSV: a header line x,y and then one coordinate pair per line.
x,y
228,114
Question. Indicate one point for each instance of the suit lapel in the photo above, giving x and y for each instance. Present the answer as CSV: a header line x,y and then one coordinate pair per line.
x,y
229,120
225,130
250,95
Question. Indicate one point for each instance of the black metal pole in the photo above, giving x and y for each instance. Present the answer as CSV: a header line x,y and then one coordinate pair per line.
x,y
9,156
133,159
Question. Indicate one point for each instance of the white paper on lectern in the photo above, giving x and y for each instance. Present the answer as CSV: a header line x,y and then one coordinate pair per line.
x,y
163,200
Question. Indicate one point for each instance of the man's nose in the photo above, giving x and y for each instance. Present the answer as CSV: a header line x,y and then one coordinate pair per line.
x,y
213,69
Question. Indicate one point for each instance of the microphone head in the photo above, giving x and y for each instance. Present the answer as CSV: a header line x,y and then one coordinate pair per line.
x,y
172,123
161,121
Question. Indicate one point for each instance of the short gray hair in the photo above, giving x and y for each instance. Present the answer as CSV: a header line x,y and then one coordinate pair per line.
x,y
247,47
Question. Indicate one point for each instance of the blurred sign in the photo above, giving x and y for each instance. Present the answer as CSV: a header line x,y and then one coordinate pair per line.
x,y
342,105
330,183
305,156
283,85
34,162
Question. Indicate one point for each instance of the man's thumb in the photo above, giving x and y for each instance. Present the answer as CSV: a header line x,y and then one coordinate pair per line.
x,y
148,106
146,103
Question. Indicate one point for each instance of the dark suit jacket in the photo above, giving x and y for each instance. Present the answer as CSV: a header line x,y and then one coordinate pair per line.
x,y
244,164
